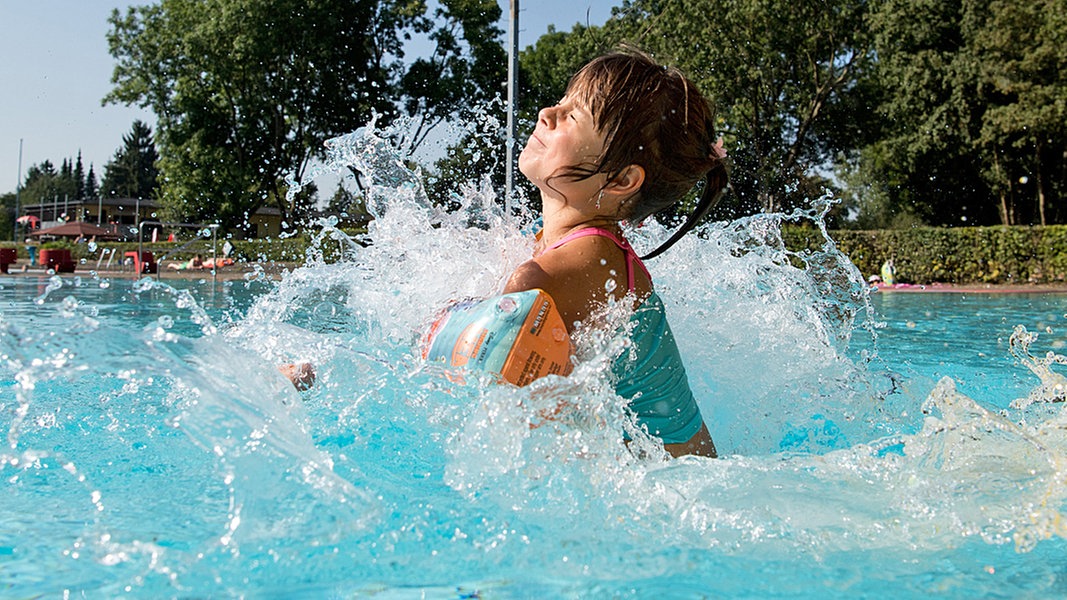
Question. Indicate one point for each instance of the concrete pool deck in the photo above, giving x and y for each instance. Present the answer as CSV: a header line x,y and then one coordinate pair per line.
x,y
976,288
234,272
276,270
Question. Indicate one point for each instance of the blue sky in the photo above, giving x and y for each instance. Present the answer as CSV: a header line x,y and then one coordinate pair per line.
x,y
55,69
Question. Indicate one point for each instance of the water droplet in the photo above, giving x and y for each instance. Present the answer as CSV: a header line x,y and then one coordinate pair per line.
x,y
507,305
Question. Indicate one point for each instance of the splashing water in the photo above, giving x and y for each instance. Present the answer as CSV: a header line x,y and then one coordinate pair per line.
x,y
152,448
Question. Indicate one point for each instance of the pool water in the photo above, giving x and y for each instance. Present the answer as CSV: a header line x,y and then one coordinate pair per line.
x,y
881,444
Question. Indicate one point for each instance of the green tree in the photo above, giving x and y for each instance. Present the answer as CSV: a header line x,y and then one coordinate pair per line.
x,y
91,187
7,216
132,172
43,183
460,82
1021,62
67,183
241,88
972,110
774,69
79,177
350,206
923,156
465,69
246,91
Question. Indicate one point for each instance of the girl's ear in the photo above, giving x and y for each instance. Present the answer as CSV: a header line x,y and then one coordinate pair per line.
x,y
628,182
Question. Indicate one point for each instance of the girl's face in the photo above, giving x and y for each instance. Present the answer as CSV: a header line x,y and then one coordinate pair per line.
x,y
565,137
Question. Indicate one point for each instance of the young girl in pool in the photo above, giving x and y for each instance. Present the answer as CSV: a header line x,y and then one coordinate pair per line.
x,y
628,140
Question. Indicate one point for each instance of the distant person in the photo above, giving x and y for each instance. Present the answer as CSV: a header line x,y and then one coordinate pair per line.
x,y
196,262
889,272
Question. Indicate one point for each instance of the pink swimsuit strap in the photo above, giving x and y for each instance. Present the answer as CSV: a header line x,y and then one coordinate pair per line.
x,y
631,256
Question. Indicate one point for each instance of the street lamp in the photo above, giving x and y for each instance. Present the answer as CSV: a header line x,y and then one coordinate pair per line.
x,y
18,197
513,95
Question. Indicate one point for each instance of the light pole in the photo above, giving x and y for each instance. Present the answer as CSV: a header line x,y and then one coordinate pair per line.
x,y
513,95
18,197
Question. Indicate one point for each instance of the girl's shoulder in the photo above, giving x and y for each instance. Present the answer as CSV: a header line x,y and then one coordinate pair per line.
x,y
580,261
573,274
555,269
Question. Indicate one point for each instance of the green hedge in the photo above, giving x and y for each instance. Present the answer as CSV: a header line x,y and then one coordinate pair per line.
x,y
954,255
921,255
289,250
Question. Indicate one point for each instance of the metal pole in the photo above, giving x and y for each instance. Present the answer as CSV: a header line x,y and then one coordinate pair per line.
x,y
214,254
140,247
513,94
18,198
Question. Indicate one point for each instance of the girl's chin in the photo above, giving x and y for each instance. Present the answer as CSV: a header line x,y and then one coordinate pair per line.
x,y
530,173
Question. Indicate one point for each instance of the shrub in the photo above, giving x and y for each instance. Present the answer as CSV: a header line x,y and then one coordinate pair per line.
x,y
955,255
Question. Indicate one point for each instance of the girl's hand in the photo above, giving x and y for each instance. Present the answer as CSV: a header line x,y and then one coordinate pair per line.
x,y
302,375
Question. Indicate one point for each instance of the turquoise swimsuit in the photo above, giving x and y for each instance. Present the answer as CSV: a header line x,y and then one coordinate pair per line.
x,y
650,374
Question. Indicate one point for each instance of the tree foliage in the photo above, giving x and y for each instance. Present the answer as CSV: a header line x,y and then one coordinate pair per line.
x,y
44,183
973,110
773,68
464,72
132,173
246,91
7,216
1024,124
913,111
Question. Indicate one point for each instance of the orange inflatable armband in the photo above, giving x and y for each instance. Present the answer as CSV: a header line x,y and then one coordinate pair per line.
x,y
519,337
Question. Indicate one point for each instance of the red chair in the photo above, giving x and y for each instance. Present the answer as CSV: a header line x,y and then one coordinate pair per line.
x,y
8,256
143,263
57,259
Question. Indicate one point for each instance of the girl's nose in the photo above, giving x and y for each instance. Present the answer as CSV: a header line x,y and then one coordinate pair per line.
x,y
547,115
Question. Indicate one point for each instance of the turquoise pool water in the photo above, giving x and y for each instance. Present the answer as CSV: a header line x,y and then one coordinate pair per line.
x,y
152,451
885,445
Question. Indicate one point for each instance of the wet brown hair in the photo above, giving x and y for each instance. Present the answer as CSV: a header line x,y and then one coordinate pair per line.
x,y
653,116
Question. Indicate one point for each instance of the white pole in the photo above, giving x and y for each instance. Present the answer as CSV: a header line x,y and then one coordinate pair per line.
x,y
18,197
214,254
513,95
